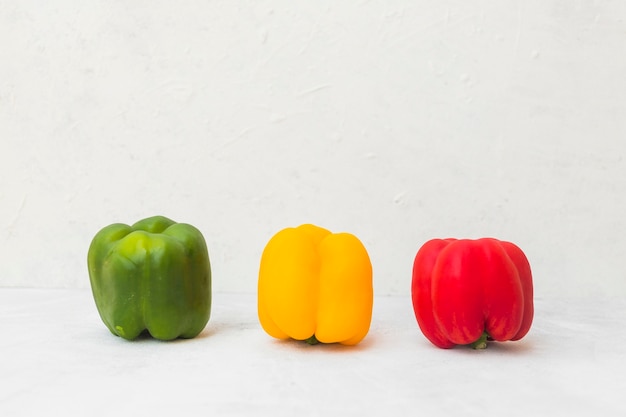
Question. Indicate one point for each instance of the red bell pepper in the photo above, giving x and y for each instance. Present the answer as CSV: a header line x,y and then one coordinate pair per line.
x,y
470,291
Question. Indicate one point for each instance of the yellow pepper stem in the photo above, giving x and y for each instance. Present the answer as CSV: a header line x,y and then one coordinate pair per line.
x,y
312,340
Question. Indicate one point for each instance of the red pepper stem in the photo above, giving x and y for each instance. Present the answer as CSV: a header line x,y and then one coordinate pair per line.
x,y
481,343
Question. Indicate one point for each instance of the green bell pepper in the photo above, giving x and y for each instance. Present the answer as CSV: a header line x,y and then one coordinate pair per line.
x,y
154,275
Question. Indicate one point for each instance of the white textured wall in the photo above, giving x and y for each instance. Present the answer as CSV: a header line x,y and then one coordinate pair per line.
x,y
397,121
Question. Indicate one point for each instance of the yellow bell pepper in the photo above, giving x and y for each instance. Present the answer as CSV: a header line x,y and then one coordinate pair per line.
x,y
315,285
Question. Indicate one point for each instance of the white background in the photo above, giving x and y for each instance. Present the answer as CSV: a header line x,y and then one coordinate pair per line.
x,y
397,121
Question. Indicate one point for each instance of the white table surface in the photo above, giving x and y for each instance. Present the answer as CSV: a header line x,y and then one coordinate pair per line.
x,y
57,356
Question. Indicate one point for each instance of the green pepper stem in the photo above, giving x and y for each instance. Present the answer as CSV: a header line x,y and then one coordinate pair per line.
x,y
312,340
481,343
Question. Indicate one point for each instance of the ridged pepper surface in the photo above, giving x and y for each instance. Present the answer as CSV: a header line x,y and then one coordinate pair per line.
x,y
154,275
315,285
470,291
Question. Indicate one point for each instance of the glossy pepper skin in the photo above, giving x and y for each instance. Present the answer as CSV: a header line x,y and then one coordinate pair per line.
x,y
468,291
315,285
154,275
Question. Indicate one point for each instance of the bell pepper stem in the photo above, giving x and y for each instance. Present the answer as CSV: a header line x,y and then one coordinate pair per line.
x,y
481,343
312,340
